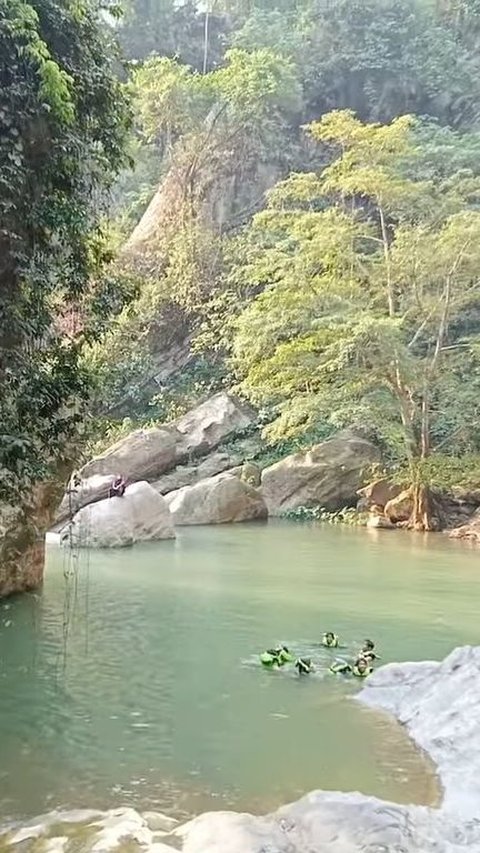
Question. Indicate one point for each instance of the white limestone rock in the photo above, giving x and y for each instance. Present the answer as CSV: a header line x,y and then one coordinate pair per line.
x,y
140,515
218,500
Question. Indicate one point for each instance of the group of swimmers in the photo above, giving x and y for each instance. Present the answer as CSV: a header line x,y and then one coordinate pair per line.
x,y
360,667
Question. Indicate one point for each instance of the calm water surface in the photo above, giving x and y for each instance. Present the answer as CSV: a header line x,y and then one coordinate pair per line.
x,y
138,683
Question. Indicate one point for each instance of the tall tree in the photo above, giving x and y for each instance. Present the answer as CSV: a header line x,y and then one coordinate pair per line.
x,y
378,58
63,121
366,274
180,31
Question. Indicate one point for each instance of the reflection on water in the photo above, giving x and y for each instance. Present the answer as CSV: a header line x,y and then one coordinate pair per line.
x,y
138,687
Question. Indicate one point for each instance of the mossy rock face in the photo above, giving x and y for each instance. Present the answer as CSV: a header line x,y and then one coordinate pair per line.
x,y
251,474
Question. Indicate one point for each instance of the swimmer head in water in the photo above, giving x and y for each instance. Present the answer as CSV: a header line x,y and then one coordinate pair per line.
x,y
361,667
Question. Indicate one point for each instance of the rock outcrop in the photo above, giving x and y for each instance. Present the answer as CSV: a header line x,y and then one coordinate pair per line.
x,y
377,494
218,500
149,454
328,475
438,702
25,571
140,515
143,455
400,508
22,542
469,531
390,506
202,429
187,475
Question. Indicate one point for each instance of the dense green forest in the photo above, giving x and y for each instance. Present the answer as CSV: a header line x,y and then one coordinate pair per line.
x,y
276,197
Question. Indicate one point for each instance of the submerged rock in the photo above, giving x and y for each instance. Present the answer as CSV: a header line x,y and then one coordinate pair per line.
x,y
329,475
379,522
218,500
140,515
157,821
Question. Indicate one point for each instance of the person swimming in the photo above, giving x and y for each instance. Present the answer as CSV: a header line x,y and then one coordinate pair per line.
x,y
367,651
269,658
330,640
304,666
360,668
276,657
284,655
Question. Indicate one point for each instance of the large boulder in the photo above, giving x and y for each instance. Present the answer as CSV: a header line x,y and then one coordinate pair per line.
x,y
328,475
400,508
218,500
143,455
438,702
331,822
378,493
139,516
202,429
149,454
186,475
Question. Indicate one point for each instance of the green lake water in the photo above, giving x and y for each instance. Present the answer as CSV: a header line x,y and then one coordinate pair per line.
x,y
137,682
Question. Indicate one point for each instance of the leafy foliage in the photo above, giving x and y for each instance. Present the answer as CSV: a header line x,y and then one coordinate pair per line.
x,y
173,30
63,121
352,297
366,276
347,515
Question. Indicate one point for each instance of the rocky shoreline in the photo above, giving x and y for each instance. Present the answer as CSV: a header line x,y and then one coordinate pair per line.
x,y
180,472
437,702
200,469
204,468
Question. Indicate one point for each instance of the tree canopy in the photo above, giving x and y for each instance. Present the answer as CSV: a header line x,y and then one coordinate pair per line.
x,y
366,278
64,120
301,218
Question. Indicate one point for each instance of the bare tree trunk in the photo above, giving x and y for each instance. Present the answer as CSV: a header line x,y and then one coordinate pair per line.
x,y
205,38
426,513
386,252
425,431
421,513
